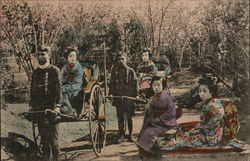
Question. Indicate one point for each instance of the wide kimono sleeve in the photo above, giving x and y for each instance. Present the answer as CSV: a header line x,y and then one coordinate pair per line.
x,y
168,118
77,82
63,74
212,115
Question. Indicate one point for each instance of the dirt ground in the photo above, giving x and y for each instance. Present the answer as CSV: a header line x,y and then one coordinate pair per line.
x,y
74,136
74,139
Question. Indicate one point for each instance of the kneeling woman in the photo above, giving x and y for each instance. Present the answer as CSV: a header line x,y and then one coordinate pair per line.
x,y
160,116
210,129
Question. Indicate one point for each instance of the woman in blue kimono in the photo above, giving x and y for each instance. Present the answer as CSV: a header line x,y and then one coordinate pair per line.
x,y
160,117
72,79
210,129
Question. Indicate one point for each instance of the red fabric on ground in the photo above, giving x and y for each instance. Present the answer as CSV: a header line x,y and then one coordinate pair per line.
x,y
203,150
186,126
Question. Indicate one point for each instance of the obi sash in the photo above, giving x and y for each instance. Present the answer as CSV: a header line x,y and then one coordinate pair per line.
x,y
158,112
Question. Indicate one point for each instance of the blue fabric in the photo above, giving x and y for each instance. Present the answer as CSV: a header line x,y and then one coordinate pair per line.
x,y
164,67
72,79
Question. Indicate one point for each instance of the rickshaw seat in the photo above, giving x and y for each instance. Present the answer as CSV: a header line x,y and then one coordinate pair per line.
x,y
90,82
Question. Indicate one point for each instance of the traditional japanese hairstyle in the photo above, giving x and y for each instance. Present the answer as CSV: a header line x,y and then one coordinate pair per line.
x,y
146,49
68,50
161,78
211,83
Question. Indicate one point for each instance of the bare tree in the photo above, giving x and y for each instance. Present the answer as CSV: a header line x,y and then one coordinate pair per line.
x,y
26,27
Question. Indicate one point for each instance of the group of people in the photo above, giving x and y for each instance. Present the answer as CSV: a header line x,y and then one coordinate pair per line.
x,y
160,117
160,112
59,91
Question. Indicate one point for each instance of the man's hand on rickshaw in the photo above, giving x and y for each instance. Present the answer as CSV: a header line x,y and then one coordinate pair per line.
x,y
141,99
138,97
57,109
110,98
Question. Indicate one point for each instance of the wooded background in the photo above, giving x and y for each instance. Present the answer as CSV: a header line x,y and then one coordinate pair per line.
x,y
185,31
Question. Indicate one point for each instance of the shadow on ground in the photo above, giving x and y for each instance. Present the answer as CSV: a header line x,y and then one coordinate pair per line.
x,y
18,147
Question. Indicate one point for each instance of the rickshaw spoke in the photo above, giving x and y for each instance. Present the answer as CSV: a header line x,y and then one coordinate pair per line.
x,y
37,136
101,137
93,115
96,136
102,124
97,121
95,106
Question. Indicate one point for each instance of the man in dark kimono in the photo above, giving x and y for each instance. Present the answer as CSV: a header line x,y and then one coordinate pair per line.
x,y
123,83
46,94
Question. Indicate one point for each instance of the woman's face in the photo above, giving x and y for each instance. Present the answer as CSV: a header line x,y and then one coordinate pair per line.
x,y
204,92
145,56
157,86
72,57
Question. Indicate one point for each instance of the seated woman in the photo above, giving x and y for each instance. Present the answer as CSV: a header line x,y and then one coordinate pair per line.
x,y
210,129
72,80
160,116
145,70
147,66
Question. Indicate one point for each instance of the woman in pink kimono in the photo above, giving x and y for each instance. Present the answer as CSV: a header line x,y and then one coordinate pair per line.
x,y
210,129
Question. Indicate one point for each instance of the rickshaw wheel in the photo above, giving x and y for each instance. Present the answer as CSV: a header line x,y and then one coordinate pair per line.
x,y
37,138
97,119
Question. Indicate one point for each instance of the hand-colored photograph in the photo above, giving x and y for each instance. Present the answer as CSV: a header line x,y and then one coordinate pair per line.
x,y
124,80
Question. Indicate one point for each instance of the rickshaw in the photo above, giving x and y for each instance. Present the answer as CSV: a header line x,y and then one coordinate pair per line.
x,y
94,103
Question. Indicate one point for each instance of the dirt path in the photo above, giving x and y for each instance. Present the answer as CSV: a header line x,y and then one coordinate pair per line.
x,y
113,151
74,139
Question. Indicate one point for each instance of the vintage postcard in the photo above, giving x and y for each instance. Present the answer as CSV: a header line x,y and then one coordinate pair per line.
x,y
118,80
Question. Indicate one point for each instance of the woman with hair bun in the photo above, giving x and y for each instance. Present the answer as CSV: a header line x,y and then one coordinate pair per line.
x,y
210,129
160,117
72,79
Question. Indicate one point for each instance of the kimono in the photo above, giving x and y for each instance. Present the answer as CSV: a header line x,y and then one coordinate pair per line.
x,y
147,68
206,133
162,63
72,80
160,118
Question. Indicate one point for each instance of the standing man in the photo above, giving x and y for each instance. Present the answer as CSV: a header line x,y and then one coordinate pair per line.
x,y
46,94
123,83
